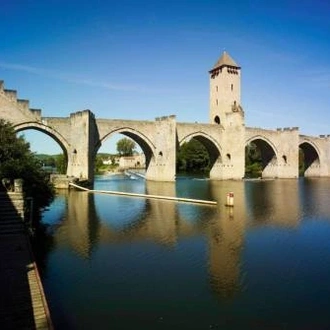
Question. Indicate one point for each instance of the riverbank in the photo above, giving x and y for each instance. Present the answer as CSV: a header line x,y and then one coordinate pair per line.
x,y
22,304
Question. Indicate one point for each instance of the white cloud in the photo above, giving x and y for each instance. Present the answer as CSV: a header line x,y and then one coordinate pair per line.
x,y
73,78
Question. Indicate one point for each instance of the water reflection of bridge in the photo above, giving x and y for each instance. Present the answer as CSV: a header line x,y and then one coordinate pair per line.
x,y
257,203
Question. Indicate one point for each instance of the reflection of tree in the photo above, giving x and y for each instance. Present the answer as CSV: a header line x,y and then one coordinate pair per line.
x,y
43,242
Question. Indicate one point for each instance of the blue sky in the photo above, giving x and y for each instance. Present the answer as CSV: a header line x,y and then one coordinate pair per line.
x,y
143,59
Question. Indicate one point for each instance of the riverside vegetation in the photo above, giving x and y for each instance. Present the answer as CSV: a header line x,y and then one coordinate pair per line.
x,y
18,162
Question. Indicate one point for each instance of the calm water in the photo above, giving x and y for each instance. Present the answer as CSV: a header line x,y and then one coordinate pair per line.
x,y
129,263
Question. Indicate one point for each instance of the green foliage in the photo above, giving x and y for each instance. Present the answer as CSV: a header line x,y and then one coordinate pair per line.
x,y
18,162
61,163
98,166
105,155
253,161
46,160
125,147
54,161
253,170
193,157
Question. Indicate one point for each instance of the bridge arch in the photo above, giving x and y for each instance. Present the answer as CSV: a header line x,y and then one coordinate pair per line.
x,y
141,139
55,135
269,155
311,158
63,143
211,145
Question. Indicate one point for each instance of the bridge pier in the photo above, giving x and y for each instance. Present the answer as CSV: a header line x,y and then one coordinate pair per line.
x,y
162,163
83,136
226,170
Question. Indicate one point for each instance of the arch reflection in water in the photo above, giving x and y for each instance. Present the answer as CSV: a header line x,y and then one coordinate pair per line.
x,y
93,219
273,202
80,226
264,254
314,197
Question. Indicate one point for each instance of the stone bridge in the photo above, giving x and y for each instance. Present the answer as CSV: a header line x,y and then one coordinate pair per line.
x,y
81,134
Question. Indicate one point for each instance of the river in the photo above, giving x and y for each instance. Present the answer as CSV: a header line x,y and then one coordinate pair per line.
x,y
112,262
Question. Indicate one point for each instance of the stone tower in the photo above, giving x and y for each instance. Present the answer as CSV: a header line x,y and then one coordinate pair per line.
x,y
225,93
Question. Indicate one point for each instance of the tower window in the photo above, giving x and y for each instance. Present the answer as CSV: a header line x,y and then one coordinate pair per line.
x,y
232,87
216,101
216,88
217,120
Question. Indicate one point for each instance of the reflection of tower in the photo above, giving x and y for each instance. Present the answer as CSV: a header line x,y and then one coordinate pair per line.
x,y
82,227
225,91
226,240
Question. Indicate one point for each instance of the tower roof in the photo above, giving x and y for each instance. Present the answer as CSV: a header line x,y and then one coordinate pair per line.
x,y
225,60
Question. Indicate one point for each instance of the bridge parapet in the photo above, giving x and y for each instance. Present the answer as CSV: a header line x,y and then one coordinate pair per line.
x,y
315,138
285,129
9,103
36,112
11,94
324,136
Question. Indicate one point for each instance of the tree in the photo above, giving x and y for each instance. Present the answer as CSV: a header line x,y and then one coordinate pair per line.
x,y
61,163
125,147
193,157
46,160
98,163
253,161
18,162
